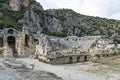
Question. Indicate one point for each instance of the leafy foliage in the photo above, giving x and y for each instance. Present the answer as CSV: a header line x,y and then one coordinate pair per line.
x,y
10,18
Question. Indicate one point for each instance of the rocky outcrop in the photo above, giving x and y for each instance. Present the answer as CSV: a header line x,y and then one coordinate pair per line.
x,y
53,25
16,5
25,3
56,22
34,18
80,25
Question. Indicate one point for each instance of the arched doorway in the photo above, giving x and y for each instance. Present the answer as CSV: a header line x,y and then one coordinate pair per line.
x,y
11,43
78,59
70,60
10,31
85,58
27,40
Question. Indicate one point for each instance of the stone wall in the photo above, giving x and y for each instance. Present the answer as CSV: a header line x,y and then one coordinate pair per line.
x,y
70,59
65,59
100,47
23,50
21,46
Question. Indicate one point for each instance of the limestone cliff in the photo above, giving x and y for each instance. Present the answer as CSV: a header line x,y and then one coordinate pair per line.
x,y
56,22
34,18
72,23
19,13
16,5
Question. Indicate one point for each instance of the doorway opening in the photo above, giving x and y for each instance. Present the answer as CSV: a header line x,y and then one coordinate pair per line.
x,y
85,58
27,40
78,59
11,43
70,60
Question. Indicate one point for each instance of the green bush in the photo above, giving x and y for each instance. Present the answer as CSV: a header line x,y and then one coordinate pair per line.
x,y
9,19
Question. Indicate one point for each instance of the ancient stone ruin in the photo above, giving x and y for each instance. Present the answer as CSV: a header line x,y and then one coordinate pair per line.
x,y
16,44
33,40
54,50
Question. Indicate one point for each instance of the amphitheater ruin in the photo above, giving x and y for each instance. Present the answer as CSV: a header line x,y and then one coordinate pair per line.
x,y
54,50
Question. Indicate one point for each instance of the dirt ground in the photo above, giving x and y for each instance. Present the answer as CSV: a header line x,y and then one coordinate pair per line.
x,y
113,61
14,70
32,69
77,71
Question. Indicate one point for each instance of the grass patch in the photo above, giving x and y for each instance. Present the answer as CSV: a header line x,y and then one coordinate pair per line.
x,y
111,61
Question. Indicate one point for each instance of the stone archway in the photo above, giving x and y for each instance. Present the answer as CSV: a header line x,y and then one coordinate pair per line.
x,y
10,31
11,43
70,60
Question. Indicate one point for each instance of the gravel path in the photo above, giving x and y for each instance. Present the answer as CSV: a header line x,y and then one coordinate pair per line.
x,y
71,72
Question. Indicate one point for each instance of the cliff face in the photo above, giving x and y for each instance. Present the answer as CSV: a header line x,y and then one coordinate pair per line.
x,y
56,22
19,13
34,18
73,23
